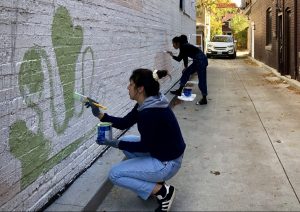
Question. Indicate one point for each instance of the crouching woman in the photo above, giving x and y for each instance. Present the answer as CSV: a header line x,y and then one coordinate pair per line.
x,y
156,155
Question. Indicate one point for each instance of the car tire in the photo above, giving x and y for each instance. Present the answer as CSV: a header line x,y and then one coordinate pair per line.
x,y
208,56
233,56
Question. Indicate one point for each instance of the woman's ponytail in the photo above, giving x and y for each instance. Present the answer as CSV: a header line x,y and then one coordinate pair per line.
x,y
148,79
163,73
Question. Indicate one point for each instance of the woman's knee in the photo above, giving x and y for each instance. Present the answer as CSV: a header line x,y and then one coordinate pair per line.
x,y
114,174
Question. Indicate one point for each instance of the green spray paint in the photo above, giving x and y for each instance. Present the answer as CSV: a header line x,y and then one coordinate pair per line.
x,y
31,75
33,149
31,79
67,42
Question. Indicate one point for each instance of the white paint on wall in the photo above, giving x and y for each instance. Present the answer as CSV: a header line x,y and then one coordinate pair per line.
x,y
122,37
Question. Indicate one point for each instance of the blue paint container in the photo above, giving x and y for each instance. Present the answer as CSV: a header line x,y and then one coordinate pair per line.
x,y
104,131
187,91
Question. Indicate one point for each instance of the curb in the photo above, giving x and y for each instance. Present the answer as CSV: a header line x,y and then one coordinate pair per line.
x,y
291,82
99,196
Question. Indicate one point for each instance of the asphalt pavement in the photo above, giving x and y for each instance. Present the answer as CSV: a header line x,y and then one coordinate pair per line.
x,y
243,148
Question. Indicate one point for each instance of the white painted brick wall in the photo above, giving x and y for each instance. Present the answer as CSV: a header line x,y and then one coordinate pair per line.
x,y
120,35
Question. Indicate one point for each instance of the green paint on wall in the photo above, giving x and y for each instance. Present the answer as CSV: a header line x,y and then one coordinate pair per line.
x,y
31,79
31,149
67,42
31,75
49,164
68,150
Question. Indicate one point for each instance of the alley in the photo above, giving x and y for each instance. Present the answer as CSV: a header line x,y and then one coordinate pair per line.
x,y
242,148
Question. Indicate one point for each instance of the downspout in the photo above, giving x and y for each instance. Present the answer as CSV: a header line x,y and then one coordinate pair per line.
x,y
296,42
278,35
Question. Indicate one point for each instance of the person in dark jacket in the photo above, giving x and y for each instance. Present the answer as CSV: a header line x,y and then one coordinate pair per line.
x,y
156,155
199,65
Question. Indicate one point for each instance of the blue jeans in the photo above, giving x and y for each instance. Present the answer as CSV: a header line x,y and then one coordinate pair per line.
x,y
196,66
140,172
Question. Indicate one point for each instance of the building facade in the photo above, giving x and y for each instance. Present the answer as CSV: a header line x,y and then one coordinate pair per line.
x,y
226,28
274,34
202,27
49,50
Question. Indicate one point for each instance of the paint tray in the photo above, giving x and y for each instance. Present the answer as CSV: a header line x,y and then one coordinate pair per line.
x,y
189,99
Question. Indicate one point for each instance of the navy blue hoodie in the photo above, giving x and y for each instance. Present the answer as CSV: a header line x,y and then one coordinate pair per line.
x,y
158,127
188,50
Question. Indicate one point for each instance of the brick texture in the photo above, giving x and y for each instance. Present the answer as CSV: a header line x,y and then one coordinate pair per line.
x,y
52,48
270,54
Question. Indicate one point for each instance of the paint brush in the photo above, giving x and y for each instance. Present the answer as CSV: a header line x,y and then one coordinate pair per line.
x,y
85,99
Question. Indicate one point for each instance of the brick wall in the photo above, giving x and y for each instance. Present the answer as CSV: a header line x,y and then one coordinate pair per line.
x,y
290,51
298,40
258,15
270,54
52,48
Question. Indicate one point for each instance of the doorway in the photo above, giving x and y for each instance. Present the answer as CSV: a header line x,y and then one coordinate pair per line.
x,y
280,44
287,42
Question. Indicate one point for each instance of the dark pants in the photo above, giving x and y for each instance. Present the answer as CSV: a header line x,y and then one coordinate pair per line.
x,y
196,66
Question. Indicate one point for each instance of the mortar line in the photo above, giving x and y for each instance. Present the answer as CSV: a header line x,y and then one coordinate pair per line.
x,y
260,119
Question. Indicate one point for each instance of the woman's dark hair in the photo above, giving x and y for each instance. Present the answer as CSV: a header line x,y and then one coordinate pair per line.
x,y
182,39
176,40
144,77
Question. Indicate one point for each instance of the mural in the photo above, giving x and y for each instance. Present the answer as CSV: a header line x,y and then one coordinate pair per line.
x,y
33,148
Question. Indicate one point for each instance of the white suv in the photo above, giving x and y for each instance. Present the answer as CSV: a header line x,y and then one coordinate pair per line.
x,y
221,45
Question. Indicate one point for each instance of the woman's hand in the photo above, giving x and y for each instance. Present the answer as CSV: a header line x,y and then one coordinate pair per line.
x,y
113,143
170,53
95,110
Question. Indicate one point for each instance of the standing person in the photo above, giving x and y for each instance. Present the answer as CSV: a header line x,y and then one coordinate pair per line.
x,y
156,155
199,65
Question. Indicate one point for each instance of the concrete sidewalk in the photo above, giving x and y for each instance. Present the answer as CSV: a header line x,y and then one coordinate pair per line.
x,y
243,149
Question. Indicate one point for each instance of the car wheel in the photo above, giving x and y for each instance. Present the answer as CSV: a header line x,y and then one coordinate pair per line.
x,y
208,56
233,56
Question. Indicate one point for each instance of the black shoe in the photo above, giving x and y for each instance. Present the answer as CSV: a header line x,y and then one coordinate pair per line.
x,y
203,101
176,92
165,203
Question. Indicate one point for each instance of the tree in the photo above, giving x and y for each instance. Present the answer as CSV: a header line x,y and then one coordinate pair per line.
x,y
217,11
239,24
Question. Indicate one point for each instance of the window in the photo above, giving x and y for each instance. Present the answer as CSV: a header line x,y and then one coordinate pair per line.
x,y
269,27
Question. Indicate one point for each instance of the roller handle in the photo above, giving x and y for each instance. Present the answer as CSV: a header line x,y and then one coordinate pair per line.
x,y
97,104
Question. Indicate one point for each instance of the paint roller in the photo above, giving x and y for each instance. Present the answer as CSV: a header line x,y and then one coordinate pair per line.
x,y
85,99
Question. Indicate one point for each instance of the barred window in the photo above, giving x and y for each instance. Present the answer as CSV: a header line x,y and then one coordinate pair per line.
x,y
269,27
